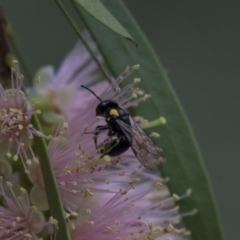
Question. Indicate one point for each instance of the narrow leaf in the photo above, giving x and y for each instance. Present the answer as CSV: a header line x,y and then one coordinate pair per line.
x,y
97,10
184,165
54,199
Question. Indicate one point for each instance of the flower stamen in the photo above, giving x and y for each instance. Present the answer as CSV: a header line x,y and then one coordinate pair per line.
x,y
154,123
94,163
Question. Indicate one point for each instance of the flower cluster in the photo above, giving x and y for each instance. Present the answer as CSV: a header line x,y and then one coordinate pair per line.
x,y
19,220
16,131
104,198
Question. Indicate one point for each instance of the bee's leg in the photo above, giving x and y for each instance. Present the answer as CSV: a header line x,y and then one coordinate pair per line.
x,y
95,137
98,129
108,145
96,132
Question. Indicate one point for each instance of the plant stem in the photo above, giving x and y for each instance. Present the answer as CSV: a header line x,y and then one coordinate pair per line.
x,y
78,32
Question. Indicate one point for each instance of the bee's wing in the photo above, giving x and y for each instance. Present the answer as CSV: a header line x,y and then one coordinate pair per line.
x,y
146,151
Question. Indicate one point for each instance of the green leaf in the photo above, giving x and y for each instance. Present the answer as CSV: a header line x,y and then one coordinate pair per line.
x,y
97,10
50,183
184,165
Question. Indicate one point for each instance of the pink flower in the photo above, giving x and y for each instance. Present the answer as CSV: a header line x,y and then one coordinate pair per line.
x,y
16,131
95,191
104,198
62,88
75,173
18,219
131,216
74,158
80,175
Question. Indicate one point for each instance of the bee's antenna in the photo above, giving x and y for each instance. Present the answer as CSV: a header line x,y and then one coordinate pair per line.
x,y
92,93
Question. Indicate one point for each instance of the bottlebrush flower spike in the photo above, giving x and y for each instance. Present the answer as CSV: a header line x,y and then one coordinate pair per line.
x,y
79,175
94,190
130,216
15,115
18,219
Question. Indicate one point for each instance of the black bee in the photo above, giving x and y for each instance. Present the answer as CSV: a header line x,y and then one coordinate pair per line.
x,y
124,133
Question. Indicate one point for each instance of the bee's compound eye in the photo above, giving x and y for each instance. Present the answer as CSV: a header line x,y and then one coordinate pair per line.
x,y
114,112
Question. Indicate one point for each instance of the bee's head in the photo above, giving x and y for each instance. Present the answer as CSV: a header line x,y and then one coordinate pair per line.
x,y
103,106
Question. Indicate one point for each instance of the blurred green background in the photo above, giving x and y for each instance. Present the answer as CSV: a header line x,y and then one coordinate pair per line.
x,y
198,43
